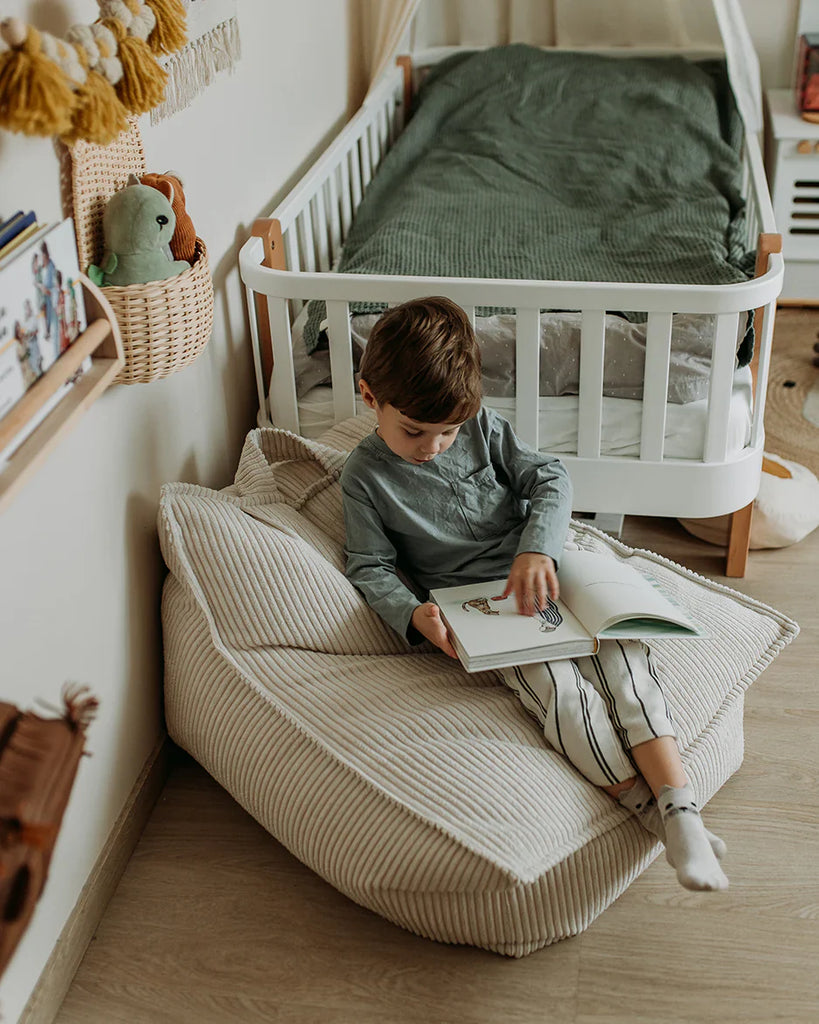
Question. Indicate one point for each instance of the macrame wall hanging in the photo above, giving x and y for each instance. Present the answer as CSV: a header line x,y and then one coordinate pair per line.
x,y
134,58
213,46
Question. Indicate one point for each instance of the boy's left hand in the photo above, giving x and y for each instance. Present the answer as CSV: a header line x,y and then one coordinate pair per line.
x,y
532,578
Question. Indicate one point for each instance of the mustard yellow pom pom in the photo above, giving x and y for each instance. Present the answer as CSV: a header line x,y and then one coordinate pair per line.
x,y
142,85
99,116
169,34
35,96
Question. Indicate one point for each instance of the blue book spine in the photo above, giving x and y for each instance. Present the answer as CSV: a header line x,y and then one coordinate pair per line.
x,y
11,228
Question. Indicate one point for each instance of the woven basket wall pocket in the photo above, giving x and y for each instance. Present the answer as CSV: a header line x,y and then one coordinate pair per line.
x,y
164,324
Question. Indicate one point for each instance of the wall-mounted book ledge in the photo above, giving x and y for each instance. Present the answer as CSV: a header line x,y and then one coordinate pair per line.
x,y
54,400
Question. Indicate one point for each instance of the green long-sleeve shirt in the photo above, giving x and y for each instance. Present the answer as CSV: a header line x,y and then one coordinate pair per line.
x,y
461,518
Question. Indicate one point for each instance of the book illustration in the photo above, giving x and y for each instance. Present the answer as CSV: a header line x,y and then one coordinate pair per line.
x,y
26,335
41,309
481,604
44,275
549,617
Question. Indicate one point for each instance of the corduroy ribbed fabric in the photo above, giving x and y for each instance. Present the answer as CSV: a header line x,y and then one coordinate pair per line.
x,y
421,792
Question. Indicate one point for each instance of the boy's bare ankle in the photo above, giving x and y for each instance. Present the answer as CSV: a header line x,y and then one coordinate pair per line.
x,y
620,787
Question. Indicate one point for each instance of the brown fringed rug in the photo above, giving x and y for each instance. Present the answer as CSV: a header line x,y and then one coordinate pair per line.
x,y
792,406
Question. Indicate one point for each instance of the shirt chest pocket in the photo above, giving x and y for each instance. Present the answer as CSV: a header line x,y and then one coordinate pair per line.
x,y
487,505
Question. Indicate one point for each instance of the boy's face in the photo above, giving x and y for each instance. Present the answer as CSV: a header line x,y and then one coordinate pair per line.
x,y
409,439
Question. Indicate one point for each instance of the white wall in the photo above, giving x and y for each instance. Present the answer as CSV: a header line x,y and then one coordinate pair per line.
x,y
81,570
772,24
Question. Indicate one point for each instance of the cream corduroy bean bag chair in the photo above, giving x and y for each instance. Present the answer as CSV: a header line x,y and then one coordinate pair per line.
x,y
421,792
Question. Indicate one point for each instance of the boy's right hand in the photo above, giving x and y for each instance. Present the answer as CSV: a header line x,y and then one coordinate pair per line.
x,y
427,620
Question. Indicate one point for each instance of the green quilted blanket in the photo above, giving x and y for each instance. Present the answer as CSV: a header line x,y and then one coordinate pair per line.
x,y
524,163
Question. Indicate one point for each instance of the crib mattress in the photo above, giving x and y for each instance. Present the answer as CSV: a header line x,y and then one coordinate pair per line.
x,y
621,419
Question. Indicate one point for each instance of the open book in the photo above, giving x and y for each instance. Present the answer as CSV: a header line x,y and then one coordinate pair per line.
x,y
600,598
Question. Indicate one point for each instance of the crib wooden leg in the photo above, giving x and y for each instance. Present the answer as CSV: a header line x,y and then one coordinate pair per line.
x,y
739,539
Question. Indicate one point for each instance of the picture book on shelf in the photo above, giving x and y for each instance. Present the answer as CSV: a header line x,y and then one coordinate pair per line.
x,y
42,309
601,598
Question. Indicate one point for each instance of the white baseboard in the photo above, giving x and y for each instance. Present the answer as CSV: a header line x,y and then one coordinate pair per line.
x,y
79,929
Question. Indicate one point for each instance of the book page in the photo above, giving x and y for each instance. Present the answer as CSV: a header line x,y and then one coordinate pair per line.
x,y
602,592
485,625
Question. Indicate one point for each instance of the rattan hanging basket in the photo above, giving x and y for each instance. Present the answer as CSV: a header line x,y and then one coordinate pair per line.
x,y
164,324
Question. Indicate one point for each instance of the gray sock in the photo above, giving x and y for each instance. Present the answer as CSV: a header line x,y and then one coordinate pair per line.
x,y
641,802
643,805
688,850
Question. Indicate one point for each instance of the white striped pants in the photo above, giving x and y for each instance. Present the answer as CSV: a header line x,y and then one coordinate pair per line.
x,y
594,710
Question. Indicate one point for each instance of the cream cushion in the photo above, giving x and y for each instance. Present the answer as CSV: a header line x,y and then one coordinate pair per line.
x,y
786,509
422,792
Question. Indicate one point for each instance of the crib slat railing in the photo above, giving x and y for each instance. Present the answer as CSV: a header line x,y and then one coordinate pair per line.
x,y
753,217
394,123
291,249
341,359
283,402
655,386
336,234
527,375
355,177
752,221
590,399
723,359
383,121
346,196
764,337
366,161
377,138
262,380
750,199
320,237
304,233
762,215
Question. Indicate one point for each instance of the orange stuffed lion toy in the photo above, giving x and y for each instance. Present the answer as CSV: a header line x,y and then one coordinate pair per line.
x,y
183,243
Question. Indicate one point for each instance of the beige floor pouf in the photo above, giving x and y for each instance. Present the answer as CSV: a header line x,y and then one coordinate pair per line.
x,y
786,509
419,791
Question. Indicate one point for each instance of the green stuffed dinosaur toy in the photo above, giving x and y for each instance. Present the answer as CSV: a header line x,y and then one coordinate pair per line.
x,y
138,225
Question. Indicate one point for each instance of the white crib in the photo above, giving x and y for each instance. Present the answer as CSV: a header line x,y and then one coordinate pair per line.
x,y
288,261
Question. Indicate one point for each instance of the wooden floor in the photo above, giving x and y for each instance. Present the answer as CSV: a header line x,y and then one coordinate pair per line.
x,y
214,922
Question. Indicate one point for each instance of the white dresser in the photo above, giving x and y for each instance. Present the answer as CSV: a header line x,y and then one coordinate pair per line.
x,y
792,150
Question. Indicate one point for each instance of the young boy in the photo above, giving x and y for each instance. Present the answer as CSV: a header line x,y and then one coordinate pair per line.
x,y
444,494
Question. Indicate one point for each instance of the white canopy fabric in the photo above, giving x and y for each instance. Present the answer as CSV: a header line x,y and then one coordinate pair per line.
x,y
387,24
692,24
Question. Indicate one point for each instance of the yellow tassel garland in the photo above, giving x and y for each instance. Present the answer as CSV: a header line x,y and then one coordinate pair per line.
x,y
98,115
84,87
142,86
35,96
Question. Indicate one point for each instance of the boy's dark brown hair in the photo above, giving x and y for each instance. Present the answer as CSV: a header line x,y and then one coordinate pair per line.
x,y
422,357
